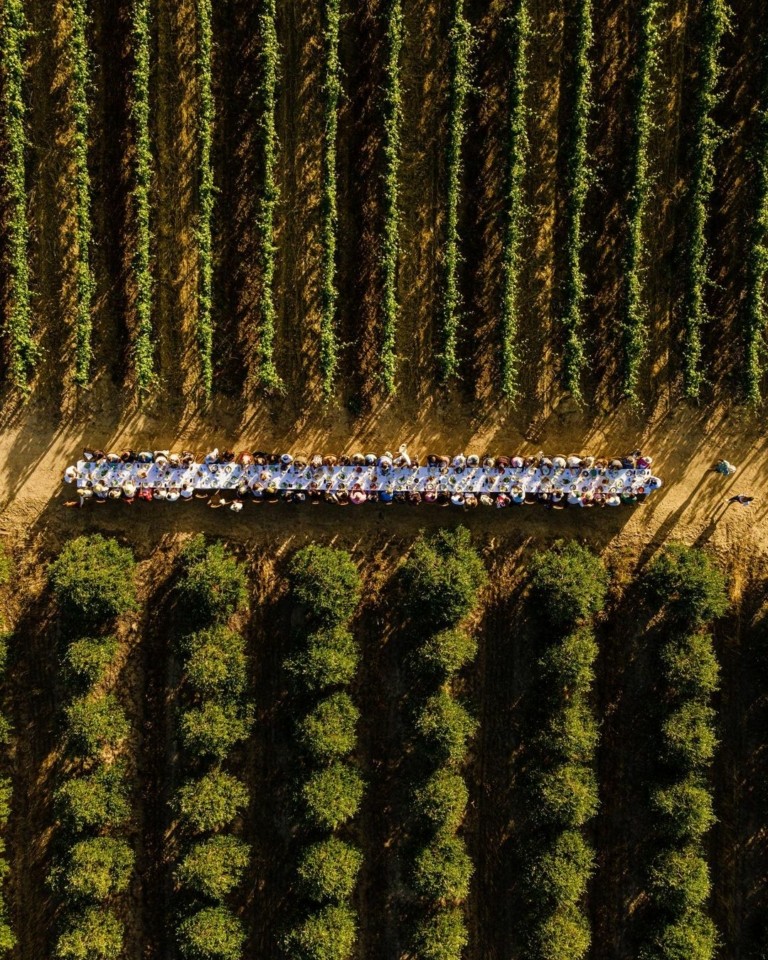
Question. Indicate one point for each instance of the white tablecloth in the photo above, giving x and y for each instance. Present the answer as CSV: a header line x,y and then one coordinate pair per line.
x,y
369,479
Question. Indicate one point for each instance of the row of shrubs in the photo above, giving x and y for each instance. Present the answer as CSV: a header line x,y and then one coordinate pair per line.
x,y
22,351
714,18
332,91
461,45
7,938
756,307
205,192
392,106
519,35
691,592
84,282
92,583
143,343
569,586
215,718
326,585
266,101
634,335
443,577
578,177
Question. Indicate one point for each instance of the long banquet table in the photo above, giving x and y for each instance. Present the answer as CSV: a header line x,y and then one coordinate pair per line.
x,y
515,482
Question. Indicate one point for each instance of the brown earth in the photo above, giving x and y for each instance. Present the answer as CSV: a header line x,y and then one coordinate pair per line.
x,y
39,437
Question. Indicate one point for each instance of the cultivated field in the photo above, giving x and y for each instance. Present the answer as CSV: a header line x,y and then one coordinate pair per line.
x,y
330,226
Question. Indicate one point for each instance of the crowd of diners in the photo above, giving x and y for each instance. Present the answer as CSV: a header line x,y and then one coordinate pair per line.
x,y
556,482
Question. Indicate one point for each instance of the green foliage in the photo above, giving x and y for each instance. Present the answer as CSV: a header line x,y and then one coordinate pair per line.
x,y
95,800
687,809
567,795
756,311
442,936
213,729
333,795
92,581
212,802
680,878
571,731
635,320
96,722
7,937
446,652
6,566
214,867
686,580
691,936
392,108
98,867
330,658
689,735
331,82
89,658
460,56
266,105
216,665
569,663
213,583
143,347
329,730
691,666
442,870
21,350
84,282
213,933
325,581
328,934
515,210
691,591
442,800
578,179
6,789
713,24
443,576
94,933
205,193
560,874
447,726
328,870
562,934
570,584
